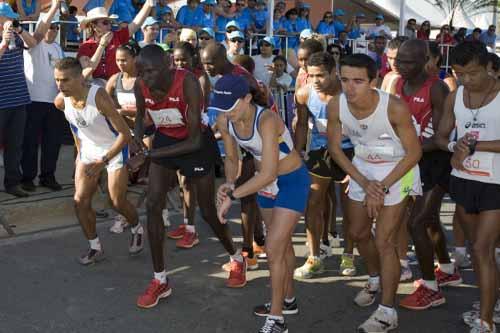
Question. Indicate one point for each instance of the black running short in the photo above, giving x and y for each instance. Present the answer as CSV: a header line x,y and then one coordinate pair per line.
x,y
196,164
475,197
320,164
435,169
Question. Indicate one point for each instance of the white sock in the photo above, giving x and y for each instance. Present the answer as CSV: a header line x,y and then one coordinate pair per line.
x,y
137,229
237,256
186,221
95,244
461,250
190,228
280,319
388,310
431,284
161,276
404,263
290,300
374,282
447,268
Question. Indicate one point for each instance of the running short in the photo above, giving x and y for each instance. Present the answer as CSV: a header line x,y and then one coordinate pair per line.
x,y
320,164
196,164
408,185
292,191
90,153
435,169
475,197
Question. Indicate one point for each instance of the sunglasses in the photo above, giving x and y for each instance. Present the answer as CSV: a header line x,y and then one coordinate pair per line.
x,y
229,30
237,40
104,22
205,38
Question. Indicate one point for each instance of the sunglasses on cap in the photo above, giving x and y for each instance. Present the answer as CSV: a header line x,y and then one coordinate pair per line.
x,y
237,40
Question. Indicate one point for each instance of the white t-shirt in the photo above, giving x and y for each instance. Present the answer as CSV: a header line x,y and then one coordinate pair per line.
x,y
261,72
285,80
39,63
375,31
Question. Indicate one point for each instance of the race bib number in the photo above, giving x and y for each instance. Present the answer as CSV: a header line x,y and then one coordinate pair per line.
x,y
375,154
480,164
270,191
170,117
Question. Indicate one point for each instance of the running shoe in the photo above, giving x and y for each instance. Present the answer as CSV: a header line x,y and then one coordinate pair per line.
x,y
334,240
252,263
237,274
177,233
477,305
379,321
91,257
259,251
406,274
461,260
422,298
187,241
347,267
312,267
325,251
119,225
472,315
136,244
367,295
445,279
155,291
264,310
480,326
273,326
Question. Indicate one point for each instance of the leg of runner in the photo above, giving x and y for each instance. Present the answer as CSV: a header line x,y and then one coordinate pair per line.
x,y
403,239
347,267
188,237
249,213
460,254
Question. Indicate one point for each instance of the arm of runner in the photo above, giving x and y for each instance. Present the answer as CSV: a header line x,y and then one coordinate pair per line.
x,y
439,91
400,119
302,126
193,99
110,89
59,104
231,160
44,24
140,114
205,88
141,16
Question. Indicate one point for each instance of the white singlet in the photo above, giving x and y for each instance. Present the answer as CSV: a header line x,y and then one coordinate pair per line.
x,y
481,166
377,150
95,132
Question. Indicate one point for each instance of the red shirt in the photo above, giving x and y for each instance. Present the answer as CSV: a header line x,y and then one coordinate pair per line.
x,y
384,66
420,104
170,114
107,66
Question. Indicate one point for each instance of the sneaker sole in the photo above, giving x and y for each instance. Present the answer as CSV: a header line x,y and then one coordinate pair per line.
x,y
419,308
93,262
175,237
309,276
237,285
451,283
164,295
196,242
285,312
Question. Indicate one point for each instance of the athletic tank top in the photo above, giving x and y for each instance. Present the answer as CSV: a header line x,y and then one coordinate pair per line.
x,y
253,144
481,166
170,114
317,109
420,104
373,137
124,96
88,124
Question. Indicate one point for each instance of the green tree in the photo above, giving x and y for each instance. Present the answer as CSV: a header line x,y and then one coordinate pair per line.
x,y
450,7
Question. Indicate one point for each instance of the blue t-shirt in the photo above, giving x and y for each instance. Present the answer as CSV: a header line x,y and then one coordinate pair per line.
x,y
339,26
292,26
487,39
190,17
259,18
162,10
208,20
244,19
325,28
355,33
220,23
91,4
303,23
277,25
72,35
29,10
124,10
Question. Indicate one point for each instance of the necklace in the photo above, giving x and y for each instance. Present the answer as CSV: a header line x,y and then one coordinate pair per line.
x,y
478,109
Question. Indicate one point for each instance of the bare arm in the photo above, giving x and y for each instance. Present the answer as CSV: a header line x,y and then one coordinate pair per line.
x,y
302,126
205,88
439,92
140,17
110,89
44,24
141,111
231,161
446,124
59,104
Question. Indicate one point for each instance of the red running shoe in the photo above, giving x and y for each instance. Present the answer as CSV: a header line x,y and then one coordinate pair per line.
x,y
237,274
445,279
422,298
177,233
189,240
155,291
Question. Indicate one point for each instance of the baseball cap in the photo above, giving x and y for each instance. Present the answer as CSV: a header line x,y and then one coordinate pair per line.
x,y
6,11
306,33
233,23
379,17
227,91
305,5
236,34
268,40
339,12
208,2
208,31
149,21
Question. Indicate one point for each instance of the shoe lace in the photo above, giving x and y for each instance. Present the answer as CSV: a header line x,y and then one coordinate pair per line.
x,y
268,326
152,288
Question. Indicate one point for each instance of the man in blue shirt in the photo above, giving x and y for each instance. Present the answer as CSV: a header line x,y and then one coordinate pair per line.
x,y
260,16
489,37
337,20
354,27
190,15
208,20
242,15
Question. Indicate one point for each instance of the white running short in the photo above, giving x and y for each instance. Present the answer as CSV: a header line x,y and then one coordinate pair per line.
x,y
90,153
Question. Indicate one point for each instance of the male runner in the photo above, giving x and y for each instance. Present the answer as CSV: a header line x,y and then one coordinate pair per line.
x,y
311,102
101,136
384,174
173,100
475,179
425,97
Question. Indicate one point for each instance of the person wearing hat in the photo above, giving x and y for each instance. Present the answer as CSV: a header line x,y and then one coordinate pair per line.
x,y
291,25
259,17
242,15
380,29
235,42
97,53
190,15
208,18
264,61
303,21
281,184
338,20
354,27
161,9
205,36
223,16
326,27
150,29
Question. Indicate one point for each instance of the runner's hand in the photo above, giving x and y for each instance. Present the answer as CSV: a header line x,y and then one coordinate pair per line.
x,y
136,146
374,189
461,153
94,169
223,208
221,192
135,162
373,206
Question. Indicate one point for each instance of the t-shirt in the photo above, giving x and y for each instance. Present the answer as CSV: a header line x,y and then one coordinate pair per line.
x,y
190,17
39,63
107,66
124,9
285,80
91,4
487,39
13,90
261,72
376,31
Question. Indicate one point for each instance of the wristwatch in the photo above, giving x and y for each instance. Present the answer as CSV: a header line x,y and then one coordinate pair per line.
x,y
105,160
230,195
472,147
385,189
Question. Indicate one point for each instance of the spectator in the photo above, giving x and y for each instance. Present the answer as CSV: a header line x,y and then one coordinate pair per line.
x,y
338,24
230,27
124,10
343,43
459,37
97,54
493,66
425,31
280,79
281,6
242,16
161,9
236,43
292,28
208,17
205,36
91,4
326,26
336,51
150,29
378,52
71,31
190,15
28,10
380,29
189,36
259,17
444,35
489,37
411,29
14,94
303,19
278,28
354,28
223,18
168,22
42,117
263,61
475,35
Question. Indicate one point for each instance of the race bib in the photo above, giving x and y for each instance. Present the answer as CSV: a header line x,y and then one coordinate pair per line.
x,y
479,164
321,125
270,191
125,99
170,117
375,154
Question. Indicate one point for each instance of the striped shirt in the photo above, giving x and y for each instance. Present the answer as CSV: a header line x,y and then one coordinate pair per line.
x,y
13,90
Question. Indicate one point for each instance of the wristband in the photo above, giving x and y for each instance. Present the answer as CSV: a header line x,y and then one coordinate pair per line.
x,y
230,195
451,146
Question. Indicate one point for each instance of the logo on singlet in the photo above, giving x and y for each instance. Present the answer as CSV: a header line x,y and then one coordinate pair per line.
x,y
418,99
81,122
474,125
364,127
174,99
149,100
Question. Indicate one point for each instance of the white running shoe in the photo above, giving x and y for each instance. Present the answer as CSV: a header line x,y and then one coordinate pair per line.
x,y
477,305
119,225
480,326
379,321
325,251
334,241
406,274
367,295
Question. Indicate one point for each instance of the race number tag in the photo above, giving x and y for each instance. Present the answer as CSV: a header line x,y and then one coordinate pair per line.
x,y
375,154
479,164
270,191
170,117
321,125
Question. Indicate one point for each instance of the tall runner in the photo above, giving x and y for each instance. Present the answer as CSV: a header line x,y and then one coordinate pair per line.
x,y
173,100
101,136
384,174
475,178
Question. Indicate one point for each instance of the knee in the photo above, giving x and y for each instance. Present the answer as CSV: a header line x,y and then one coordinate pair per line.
x,y
81,201
384,246
483,250
118,201
357,234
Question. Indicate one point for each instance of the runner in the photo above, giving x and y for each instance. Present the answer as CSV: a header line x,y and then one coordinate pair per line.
x,y
311,102
101,137
177,116
475,179
282,183
384,174
425,97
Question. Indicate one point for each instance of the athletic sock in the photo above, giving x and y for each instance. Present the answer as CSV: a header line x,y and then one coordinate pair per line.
x,y
161,276
186,221
388,310
461,250
190,228
447,268
137,229
404,263
237,256
289,300
374,282
95,244
431,284
279,319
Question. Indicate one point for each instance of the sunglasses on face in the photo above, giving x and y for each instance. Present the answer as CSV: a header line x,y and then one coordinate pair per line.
x,y
237,40
104,22
229,30
205,38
